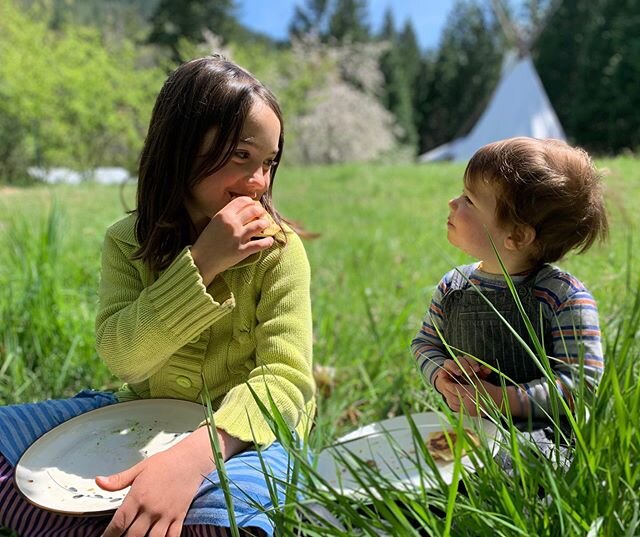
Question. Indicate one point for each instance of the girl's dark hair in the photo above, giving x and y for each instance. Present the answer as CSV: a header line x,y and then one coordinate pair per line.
x,y
200,95
548,185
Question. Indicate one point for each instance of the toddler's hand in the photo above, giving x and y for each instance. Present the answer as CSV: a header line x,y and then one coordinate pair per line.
x,y
446,383
473,397
468,368
226,240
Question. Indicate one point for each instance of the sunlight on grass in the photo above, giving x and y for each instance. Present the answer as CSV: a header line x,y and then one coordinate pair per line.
x,y
382,248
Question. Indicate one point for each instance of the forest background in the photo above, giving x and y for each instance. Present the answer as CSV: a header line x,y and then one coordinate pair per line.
x,y
78,78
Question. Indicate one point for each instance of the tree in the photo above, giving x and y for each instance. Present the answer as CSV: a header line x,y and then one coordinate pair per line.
x,y
187,19
463,74
411,54
558,51
331,20
424,99
608,116
311,19
116,19
67,99
588,58
348,22
341,121
397,94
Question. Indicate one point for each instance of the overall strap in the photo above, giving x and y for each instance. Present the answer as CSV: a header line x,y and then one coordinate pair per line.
x,y
461,275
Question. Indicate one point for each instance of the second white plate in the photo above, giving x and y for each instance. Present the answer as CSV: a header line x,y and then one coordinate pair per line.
x,y
389,447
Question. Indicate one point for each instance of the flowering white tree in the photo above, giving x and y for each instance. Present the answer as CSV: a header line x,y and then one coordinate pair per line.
x,y
329,94
343,119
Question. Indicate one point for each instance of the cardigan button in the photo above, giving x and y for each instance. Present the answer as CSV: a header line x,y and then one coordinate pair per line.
x,y
183,382
241,335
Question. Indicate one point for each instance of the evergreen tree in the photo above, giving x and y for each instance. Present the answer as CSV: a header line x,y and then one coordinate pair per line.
x,y
176,19
411,54
588,57
607,118
423,94
557,53
397,89
311,18
464,73
388,30
348,22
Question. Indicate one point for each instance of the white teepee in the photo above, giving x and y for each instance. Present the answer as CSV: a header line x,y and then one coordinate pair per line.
x,y
519,106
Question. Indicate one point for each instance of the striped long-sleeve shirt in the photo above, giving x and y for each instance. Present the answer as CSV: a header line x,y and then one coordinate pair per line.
x,y
575,330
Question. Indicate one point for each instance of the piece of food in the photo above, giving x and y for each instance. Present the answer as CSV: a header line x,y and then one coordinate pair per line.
x,y
271,230
443,449
371,464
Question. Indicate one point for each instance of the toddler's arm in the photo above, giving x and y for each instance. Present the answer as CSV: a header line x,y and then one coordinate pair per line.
x,y
428,350
576,336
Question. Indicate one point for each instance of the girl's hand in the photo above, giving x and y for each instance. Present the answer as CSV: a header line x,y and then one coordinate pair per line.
x,y
164,485
226,240
162,488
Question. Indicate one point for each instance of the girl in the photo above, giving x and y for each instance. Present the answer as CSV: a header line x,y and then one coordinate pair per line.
x,y
537,200
194,296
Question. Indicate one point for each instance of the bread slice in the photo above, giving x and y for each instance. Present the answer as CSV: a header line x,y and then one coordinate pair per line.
x,y
271,230
443,449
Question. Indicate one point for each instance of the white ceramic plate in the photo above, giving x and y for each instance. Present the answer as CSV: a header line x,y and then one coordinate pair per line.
x,y
389,447
57,471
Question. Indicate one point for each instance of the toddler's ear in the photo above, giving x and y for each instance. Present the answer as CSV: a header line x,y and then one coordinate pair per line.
x,y
521,237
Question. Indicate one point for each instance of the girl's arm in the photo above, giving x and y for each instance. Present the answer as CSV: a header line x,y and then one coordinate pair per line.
x,y
283,333
143,321
141,324
164,485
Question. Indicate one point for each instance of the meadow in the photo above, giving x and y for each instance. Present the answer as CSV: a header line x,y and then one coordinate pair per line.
x,y
381,250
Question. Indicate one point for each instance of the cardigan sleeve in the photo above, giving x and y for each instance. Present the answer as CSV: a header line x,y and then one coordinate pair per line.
x,y
138,327
283,350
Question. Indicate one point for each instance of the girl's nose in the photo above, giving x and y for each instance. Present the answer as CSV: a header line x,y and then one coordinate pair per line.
x,y
453,203
259,177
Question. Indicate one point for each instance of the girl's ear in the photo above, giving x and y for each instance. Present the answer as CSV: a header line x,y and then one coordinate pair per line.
x,y
521,237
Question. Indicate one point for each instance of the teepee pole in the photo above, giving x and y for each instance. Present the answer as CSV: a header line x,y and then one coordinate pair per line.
x,y
510,30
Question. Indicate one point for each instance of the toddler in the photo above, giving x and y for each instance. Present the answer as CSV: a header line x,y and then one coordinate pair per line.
x,y
535,200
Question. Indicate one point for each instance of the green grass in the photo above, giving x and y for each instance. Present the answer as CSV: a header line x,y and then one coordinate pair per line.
x,y
382,248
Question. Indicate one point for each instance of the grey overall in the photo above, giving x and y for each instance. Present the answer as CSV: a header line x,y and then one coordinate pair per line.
x,y
473,327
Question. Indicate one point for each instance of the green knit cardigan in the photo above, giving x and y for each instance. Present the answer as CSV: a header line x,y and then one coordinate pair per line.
x,y
164,333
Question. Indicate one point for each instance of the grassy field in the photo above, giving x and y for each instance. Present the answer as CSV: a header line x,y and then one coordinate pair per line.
x,y
381,250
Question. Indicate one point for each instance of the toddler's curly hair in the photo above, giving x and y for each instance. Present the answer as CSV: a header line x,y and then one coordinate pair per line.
x,y
548,185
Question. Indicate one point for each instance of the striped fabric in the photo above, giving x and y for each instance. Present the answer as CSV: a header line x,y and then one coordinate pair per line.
x,y
565,302
29,521
21,425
